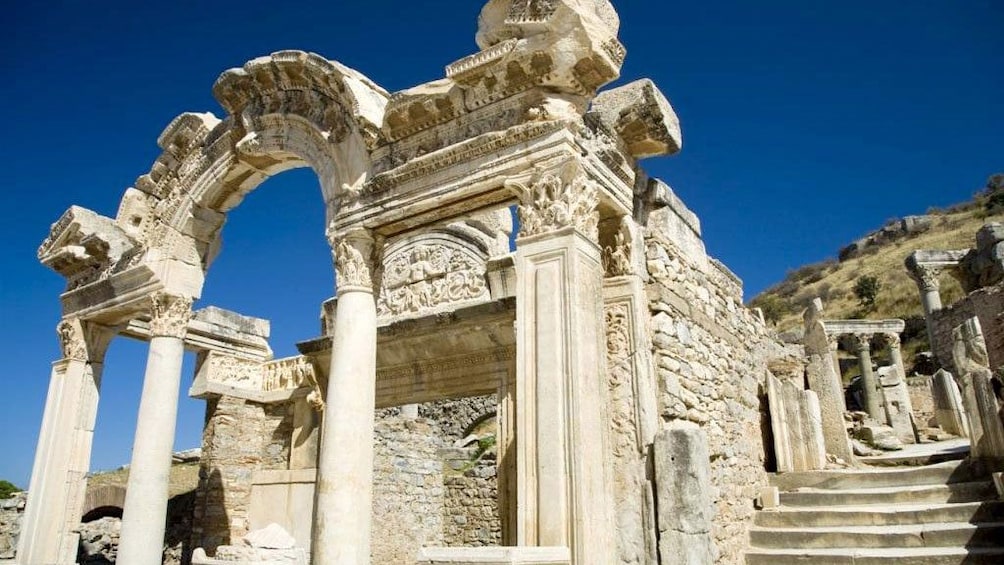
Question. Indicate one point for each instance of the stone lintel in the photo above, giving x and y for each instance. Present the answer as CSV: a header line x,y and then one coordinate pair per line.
x,y
935,258
862,327
215,329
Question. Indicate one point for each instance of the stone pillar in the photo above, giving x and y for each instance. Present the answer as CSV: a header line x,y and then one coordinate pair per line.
x,y
342,514
63,456
896,354
929,286
869,384
833,343
683,485
563,496
145,510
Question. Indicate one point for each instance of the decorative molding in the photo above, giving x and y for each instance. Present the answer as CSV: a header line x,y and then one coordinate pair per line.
x,y
556,201
169,315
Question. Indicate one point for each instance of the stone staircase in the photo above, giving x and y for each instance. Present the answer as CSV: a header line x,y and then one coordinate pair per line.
x,y
947,513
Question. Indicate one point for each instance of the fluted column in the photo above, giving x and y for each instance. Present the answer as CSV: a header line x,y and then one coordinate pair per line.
x,y
63,455
869,384
345,467
563,496
145,511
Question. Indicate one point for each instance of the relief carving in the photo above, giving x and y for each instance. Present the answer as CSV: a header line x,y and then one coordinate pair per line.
x,y
169,315
619,376
617,257
71,340
553,202
354,261
428,276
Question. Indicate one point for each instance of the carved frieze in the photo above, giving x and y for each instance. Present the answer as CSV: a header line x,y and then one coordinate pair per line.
x,y
169,315
427,276
552,202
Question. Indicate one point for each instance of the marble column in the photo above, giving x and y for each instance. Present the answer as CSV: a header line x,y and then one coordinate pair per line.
x,y
343,507
563,496
929,286
145,511
63,455
869,384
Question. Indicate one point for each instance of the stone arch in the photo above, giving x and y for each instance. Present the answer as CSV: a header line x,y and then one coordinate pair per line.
x,y
478,420
288,110
103,501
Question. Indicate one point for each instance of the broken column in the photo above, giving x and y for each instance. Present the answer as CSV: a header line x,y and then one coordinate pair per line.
x,y
796,423
897,404
948,408
824,379
971,361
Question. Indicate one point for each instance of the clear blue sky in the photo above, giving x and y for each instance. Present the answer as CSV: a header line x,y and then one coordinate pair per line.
x,y
806,124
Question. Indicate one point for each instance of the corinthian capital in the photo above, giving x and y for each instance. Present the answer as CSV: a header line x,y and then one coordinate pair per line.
x,y
83,341
169,315
554,201
356,262
925,276
863,342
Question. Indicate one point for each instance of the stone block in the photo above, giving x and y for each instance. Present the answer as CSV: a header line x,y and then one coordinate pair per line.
x,y
948,408
643,118
683,487
494,556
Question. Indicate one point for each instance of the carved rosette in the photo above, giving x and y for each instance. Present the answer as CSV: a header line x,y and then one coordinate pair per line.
x,y
355,263
72,341
169,315
926,277
553,202
429,276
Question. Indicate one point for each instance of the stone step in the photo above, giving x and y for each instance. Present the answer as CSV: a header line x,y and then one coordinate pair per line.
x,y
880,515
954,492
898,556
958,534
943,473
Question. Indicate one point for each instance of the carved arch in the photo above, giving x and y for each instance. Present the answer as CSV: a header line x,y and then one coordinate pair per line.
x,y
288,110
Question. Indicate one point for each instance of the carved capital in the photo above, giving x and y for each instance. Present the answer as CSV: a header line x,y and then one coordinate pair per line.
x,y
926,277
833,342
893,340
83,341
862,342
551,202
169,315
356,264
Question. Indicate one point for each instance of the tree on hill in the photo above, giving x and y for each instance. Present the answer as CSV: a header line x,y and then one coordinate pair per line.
x,y
866,288
7,488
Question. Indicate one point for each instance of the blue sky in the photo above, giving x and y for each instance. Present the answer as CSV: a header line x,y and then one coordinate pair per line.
x,y
806,124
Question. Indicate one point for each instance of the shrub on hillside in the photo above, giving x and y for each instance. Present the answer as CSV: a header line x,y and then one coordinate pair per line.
x,y
7,488
773,307
866,288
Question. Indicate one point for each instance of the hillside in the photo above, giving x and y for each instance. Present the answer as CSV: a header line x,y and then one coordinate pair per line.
x,y
881,255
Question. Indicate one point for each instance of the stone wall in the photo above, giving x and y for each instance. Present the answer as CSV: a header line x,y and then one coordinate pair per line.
x,y
11,511
240,437
922,400
408,493
470,510
456,417
987,304
710,354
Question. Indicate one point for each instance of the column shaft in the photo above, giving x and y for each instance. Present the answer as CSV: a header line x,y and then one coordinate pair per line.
x,y
870,386
144,515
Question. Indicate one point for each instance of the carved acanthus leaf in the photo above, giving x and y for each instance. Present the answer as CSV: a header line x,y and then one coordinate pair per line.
x,y
354,264
863,342
169,315
553,202
927,277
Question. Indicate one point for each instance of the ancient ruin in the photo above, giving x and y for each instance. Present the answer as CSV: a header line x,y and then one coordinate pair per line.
x,y
633,413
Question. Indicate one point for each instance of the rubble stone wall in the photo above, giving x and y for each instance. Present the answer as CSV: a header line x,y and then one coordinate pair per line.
x,y
470,510
710,354
987,304
239,438
456,416
922,400
11,512
408,493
